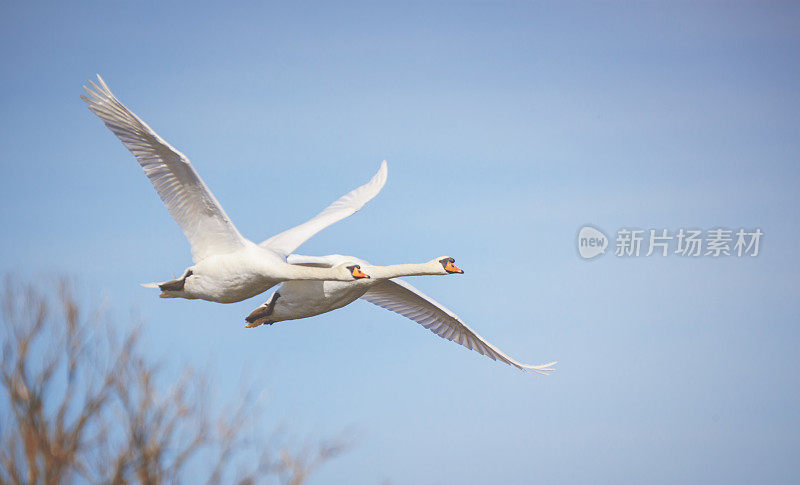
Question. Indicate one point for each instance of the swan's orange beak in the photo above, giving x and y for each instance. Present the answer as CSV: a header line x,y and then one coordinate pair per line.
x,y
452,268
357,273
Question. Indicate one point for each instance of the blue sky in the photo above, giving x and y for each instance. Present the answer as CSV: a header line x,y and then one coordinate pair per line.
x,y
507,127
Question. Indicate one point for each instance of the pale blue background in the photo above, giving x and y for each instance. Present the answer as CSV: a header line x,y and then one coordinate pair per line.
x,y
506,126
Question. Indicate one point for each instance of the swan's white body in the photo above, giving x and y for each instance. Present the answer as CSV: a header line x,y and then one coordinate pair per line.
x,y
242,274
303,299
228,267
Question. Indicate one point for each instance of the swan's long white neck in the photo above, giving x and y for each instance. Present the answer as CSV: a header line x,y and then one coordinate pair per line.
x,y
397,270
297,272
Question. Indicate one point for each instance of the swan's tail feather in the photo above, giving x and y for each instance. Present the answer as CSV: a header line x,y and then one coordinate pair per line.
x,y
543,369
157,286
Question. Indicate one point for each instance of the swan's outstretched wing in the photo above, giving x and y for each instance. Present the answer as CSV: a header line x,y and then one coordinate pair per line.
x,y
191,204
347,205
400,297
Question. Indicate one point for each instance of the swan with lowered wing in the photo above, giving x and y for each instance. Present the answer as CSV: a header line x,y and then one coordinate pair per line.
x,y
302,299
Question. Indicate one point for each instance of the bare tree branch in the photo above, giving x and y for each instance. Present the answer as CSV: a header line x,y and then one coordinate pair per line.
x,y
85,404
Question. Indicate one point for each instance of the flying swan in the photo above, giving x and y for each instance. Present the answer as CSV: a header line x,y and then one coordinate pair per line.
x,y
302,299
227,267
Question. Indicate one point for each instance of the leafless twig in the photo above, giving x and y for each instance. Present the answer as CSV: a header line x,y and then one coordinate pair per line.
x,y
86,405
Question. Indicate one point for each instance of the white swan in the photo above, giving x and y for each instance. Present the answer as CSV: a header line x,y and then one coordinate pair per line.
x,y
302,299
228,267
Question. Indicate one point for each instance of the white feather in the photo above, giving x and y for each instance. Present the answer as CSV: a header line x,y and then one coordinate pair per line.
x,y
286,242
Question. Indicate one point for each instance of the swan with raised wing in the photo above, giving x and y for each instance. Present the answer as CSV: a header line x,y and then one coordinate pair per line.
x,y
227,267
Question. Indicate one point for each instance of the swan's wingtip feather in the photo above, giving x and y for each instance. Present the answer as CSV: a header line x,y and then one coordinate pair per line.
x,y
103,83
382,174
543,369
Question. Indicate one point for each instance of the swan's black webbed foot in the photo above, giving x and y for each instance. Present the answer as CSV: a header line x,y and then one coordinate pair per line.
x,y
175,285
260,315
